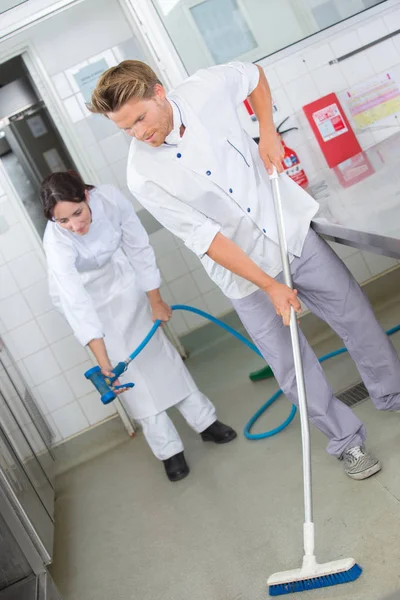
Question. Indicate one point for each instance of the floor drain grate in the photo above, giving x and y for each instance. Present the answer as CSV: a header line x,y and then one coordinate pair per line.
x,y
354,395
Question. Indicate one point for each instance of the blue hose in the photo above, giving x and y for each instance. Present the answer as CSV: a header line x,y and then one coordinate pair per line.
x,y
241,338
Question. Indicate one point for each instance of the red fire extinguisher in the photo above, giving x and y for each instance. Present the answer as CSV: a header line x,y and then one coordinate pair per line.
x,y
291,162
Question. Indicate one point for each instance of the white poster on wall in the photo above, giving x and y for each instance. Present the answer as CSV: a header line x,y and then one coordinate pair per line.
x,y
87,77
374,99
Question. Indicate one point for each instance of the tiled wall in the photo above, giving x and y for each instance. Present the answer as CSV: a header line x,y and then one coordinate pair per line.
x,y
306,75
40,340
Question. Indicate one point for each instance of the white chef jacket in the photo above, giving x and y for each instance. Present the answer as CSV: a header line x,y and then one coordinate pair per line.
x,y
213,180
114,228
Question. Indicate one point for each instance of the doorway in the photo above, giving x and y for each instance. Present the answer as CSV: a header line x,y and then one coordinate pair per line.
x,y
30,145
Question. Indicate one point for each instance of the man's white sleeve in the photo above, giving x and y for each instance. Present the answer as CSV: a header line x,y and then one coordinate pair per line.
x,y
195,229
240,79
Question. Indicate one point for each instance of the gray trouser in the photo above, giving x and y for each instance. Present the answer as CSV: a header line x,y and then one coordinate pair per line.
x,y
330,292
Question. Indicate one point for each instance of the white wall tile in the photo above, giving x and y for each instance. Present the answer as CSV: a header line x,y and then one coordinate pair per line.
x,y
392,20
356,69
194,321
283,104
38,298
9,213
378,263
119,170
8,284
54,326
15,242
55,393
62,86
372,31
329,79
178,324
70,73
85,133
28,339
82,104
203,280
93,408
217,303
108,56
191,259
96,156
291,68
383,56
69,353
42,366
28,269
272,78
163,242
2,327
10,346
318,56
15,311
105,175
114,147
184,289
302,91
172,266
77,380
344,43
73,109
357,265
395,68
70,420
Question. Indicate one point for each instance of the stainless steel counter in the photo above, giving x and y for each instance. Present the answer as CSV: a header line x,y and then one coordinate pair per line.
x,y
360,200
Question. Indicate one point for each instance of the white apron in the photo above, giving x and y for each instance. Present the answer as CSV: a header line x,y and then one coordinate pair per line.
x,y
160,377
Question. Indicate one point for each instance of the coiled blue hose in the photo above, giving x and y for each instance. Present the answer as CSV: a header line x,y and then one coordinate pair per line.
x,y
241,338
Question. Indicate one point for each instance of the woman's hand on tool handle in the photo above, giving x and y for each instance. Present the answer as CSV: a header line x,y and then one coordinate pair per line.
x,y
269,147
98,348
229,255
160,310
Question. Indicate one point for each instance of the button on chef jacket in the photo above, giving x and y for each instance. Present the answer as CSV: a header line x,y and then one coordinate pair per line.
x,y
212,178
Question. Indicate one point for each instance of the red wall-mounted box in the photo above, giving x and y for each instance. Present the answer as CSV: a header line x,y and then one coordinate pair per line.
x,y
333,131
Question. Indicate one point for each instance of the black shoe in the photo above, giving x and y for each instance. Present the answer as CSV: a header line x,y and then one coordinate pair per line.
x,y
176,467
218,433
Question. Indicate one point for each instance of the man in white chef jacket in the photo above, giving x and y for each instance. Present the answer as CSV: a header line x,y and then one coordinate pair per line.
x,y
198,172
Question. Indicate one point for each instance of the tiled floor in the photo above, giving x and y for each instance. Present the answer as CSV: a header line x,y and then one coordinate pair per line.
x,y
124,532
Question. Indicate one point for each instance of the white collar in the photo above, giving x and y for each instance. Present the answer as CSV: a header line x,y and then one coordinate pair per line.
x,y
174,138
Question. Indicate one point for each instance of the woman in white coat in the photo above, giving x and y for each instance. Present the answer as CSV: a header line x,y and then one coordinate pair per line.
x,y
104,278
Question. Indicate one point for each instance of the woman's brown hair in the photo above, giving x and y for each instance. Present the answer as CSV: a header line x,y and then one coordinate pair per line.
x,y
60,187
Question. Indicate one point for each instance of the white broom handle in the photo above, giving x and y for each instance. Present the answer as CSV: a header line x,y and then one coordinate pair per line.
x,y
298,363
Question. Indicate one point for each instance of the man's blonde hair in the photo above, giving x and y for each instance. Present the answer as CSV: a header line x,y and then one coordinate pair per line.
x,y
129,79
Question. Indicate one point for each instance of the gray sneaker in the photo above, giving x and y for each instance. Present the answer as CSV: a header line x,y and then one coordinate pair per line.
x,y
359,464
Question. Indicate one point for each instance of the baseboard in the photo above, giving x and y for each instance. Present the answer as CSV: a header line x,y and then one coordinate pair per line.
x,y
89,444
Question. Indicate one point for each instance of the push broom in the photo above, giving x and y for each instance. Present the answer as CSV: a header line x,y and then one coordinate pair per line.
x,y
311,575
